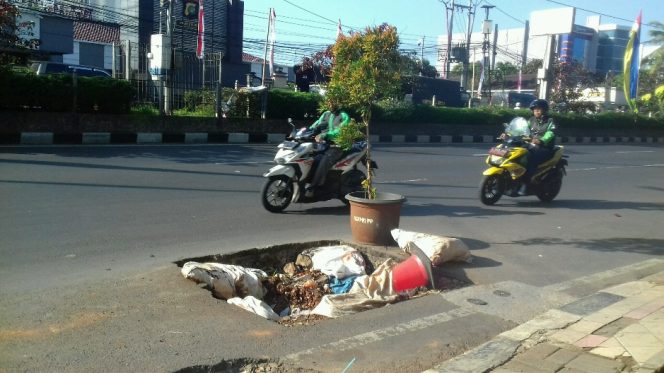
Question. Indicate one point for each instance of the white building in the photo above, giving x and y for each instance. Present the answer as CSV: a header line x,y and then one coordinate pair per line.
x,y
598,47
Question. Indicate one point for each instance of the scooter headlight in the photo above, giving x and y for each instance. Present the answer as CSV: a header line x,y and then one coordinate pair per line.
x,y
280,161
496,160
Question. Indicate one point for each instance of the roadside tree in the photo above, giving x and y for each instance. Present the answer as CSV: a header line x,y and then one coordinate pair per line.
x,y
367,68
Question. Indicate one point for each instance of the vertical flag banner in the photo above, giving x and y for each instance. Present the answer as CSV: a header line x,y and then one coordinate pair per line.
x,y
200,45
273,37
340,32
631,63
479,85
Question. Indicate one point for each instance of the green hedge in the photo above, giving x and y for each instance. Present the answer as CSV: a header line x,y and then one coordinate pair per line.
x,y
405,113
27,91
284,104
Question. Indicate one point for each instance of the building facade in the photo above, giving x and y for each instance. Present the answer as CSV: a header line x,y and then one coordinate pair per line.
x,y
598,47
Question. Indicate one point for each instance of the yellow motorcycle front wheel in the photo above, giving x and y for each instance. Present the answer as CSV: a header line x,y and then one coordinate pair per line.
x,y
492,188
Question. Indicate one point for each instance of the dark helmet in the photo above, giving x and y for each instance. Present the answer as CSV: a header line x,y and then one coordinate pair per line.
x,y
540,103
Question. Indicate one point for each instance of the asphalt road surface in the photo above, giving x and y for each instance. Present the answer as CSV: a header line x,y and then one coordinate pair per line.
x,y
76,215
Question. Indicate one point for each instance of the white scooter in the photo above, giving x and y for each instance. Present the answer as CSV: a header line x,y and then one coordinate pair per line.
x,y
296,164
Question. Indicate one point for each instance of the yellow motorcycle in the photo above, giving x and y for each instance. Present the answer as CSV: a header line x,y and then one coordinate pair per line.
x,y
508,161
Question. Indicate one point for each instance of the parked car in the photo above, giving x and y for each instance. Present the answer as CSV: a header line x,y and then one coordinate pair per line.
x,y
48,67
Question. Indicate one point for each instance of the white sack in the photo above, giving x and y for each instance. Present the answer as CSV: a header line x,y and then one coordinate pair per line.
x,y
256,306
339,261
439,249
368,292
226,280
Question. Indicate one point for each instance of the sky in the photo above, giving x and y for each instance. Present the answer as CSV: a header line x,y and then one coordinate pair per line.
x,y
306,26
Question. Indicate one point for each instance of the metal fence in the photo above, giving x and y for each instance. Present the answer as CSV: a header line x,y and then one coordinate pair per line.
x,y
189,73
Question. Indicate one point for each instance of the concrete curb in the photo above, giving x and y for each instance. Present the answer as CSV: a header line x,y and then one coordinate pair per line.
x,y
49,138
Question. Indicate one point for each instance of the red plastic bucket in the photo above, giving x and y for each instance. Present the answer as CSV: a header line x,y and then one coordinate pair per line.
x,y
412,272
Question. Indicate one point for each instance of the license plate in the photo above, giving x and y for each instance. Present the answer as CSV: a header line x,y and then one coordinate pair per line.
x,y
498,152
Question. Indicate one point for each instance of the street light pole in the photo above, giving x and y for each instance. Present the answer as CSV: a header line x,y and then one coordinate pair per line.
x,y
486,30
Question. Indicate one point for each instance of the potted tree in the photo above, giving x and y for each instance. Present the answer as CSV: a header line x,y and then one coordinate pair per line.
x,y
367,68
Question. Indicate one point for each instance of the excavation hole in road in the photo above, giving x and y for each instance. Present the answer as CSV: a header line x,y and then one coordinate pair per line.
x,y
292,290
246,366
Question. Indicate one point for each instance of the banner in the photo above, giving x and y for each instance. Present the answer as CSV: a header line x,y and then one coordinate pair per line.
x,y
200,44
631,63
273,37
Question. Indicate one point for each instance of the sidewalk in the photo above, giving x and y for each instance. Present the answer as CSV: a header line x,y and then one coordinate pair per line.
x,y
618,329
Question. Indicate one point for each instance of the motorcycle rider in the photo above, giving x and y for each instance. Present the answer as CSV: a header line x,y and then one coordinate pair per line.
x,y
543,139
329,124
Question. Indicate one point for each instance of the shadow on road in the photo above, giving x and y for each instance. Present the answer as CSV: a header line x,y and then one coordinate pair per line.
x,y
122,168
331,210
652,246
203,154
112,186
458,271
593,204
432,209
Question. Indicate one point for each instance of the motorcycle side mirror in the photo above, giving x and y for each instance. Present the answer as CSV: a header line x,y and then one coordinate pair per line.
x,y
290,121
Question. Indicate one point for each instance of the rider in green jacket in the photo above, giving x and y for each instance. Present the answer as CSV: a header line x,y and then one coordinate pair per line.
x,y
543,139
329,124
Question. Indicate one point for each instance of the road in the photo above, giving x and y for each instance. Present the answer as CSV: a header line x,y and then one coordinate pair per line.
x,y
76,215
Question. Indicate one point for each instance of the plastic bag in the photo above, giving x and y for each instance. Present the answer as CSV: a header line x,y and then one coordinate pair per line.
x,y
368,292
226,280
339,261
439,249
256,306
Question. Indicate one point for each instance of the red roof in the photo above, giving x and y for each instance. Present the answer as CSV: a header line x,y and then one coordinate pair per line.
x,y
96,32
246,57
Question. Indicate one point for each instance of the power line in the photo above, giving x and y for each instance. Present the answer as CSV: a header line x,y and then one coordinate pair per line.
x,y
507,14
596,12
310,12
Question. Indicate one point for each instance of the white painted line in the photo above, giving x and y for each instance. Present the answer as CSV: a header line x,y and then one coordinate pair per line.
x,y
381,334
480,155
615,167
635,151
247,162
401,181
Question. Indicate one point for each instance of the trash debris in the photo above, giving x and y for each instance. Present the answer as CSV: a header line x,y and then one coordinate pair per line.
x,y
368,292
256,306
226,280
302,291
322,282
339,261
341,286
439,249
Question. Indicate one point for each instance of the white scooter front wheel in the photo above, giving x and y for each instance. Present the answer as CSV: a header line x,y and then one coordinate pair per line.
x,y
277,193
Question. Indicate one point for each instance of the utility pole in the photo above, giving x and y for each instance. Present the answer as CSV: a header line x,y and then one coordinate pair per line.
x,y
524,55
422,56
471,20
472,84
486,30
449,16
524,51
546,72
267,38
168,92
